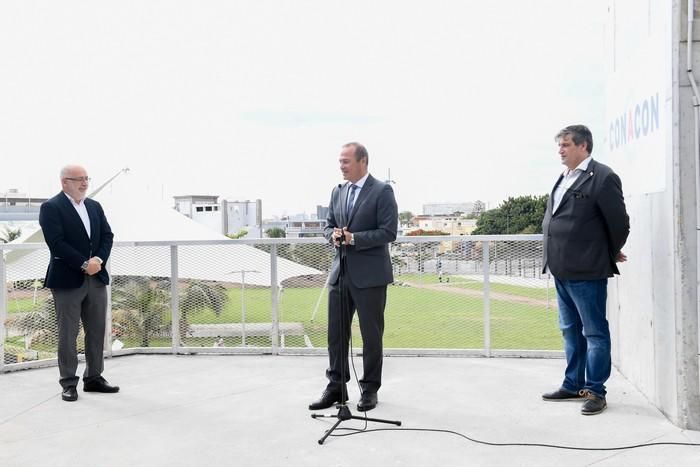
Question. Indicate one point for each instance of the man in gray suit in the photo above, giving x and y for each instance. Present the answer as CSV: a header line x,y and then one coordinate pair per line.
x,y
363,216
80,241
585,227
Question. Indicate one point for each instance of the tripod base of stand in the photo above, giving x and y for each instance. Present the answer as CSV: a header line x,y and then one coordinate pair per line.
x,y
345,414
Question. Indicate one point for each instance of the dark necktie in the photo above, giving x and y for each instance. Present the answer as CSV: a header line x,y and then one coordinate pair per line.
x,y
351,198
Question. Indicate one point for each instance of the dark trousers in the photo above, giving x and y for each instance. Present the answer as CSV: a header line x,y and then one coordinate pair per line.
x,y
87,303
369,303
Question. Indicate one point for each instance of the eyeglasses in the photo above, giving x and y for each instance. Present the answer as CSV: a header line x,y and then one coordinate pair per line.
x,y
78,179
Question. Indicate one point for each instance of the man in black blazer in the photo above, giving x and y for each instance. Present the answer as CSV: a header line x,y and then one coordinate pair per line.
x,y
80,240
585,226
363,216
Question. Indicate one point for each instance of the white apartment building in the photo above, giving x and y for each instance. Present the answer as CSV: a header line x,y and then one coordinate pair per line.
x,y
298,226
203,209
446,209
451,225
242,215
226,217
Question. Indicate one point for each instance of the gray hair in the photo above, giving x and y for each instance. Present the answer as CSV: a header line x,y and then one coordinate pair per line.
x,y
579,134
69,168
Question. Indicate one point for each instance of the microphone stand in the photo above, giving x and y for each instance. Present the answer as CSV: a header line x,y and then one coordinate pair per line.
x,y
343,410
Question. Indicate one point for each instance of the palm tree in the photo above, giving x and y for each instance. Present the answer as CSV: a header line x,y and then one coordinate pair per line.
x,y
140,304
10,234
199,296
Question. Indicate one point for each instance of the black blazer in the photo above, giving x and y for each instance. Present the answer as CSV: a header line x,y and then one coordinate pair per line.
x,y
585,234
373,221
69,243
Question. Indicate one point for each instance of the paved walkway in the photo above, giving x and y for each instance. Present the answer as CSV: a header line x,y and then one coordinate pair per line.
x,y
252,411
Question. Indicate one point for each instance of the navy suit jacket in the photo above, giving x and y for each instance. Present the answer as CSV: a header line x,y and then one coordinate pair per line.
x,y
69,243
373,221
585,234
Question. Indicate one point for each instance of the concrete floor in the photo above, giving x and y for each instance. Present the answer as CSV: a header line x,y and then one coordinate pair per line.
x,y
252,411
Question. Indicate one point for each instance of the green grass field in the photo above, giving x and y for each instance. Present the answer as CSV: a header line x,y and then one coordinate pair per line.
x,y
22,305
415,318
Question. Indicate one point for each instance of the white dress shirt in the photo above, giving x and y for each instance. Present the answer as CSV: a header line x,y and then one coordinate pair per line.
x,y
82,212
570,177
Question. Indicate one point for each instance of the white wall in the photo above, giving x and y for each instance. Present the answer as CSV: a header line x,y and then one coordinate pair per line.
x,y
652,306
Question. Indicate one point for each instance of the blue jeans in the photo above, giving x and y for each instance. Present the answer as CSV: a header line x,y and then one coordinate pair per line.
x,y
586,334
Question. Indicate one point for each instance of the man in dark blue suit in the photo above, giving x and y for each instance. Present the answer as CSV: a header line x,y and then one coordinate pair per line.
x,y
80,241
363,216
585,226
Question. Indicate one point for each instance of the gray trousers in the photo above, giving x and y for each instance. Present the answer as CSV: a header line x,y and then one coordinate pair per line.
x,y
87,303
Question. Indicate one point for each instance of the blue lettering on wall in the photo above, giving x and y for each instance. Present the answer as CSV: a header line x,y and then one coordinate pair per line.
x,y
639,120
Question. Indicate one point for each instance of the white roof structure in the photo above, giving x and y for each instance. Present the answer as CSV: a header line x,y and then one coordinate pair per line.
x,y
135,216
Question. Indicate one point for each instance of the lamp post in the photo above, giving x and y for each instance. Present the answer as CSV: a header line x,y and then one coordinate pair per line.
x,y
242,273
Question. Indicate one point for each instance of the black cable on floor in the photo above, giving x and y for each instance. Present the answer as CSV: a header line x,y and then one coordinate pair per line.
x,y
357,431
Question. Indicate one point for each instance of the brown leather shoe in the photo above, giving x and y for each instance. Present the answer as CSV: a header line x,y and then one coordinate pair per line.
x,y
328,398
99,385
368,401
594,404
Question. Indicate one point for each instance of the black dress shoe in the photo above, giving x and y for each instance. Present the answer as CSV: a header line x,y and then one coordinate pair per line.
x,y
99,385
561,394
328,398
368,401
70,394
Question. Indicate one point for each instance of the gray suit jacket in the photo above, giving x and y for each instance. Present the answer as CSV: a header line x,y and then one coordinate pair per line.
x,y
373,221
585,234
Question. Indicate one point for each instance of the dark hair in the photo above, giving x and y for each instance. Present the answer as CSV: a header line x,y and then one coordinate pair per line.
x,y
360,151
579,134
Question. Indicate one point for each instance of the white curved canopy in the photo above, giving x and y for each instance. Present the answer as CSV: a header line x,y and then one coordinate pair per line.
x,y
135,215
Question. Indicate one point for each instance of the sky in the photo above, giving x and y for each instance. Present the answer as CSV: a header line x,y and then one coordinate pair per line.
x,y
457,100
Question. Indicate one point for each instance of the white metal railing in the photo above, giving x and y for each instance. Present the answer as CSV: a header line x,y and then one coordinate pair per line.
x,y
470,261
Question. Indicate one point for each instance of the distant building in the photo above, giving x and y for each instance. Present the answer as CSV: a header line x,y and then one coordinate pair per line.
x,y
321,212
16,206
446,209
203,209
298,226
226,217
243,215
451,225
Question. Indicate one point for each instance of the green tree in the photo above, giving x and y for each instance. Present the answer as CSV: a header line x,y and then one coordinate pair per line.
x,y
275,232
406,217
9,234
477,210
241,233
519,215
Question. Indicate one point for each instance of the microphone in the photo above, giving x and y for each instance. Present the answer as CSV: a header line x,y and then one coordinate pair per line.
x,y
342,237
